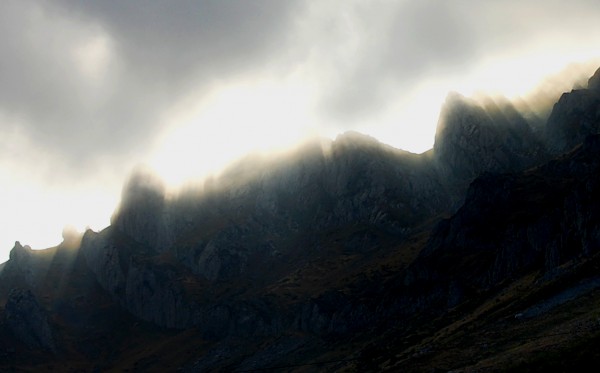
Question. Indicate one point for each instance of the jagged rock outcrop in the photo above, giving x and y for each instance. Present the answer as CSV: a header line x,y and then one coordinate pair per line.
x,y
257,213
23,268
20,254
472,139
151,292
238,228
334,239
28,321
106,259
154,293
142,215
594,81
512,224
354,180
575,116
20,262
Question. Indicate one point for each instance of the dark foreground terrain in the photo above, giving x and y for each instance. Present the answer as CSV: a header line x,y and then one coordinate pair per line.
x,y
349,256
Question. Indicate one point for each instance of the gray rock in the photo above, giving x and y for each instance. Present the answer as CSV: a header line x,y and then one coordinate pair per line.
x,y
472,139
28,321
575,116
514,223
105,259
142,214
22,265
154,294
150,292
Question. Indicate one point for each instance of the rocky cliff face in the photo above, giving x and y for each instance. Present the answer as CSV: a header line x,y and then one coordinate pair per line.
x,y
28,321
322,241
24,269
142,214
512,224
216,233
235,230
574,117
154,293
107,260
473,138
594,81
258,213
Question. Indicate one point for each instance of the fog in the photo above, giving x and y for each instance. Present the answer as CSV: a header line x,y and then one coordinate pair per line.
x,y
89,90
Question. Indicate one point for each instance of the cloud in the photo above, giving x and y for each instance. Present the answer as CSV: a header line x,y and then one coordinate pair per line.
x,y
88,87
90,81
169,41
395,45
85,80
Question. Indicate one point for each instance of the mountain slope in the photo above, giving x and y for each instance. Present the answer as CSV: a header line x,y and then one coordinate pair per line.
x,y
348,252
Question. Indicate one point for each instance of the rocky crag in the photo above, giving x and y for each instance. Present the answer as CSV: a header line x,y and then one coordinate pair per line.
x,y
337,238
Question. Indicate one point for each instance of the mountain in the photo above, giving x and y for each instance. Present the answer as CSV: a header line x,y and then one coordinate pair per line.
x,y
344,255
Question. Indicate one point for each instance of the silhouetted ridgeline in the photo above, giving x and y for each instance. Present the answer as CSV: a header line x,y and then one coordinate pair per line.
x,y
392,251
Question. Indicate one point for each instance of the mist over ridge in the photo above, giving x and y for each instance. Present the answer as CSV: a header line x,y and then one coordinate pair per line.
x,y
534,106
332,250
534,109
92,90
356,186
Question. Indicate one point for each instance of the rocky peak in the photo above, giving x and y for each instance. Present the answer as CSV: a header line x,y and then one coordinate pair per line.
x,y
22,264
353,139
143,187
511,223
463,134
141,212
575,116
594,81
19,253
488,135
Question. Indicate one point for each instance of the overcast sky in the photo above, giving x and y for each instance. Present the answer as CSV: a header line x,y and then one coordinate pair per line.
x,y
89,89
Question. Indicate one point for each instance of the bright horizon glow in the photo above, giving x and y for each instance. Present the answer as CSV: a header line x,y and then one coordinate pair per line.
x,y
41,211
202,139
516,76
41,217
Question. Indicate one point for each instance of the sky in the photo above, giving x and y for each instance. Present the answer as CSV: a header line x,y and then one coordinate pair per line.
x,y
90,89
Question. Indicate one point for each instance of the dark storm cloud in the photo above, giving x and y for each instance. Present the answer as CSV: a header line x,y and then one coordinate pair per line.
x,y
158,52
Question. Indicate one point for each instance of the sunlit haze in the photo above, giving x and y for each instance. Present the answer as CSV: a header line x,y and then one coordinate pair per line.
x,y
91,89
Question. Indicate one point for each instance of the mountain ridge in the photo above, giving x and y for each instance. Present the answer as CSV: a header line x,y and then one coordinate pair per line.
x,y
348,239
